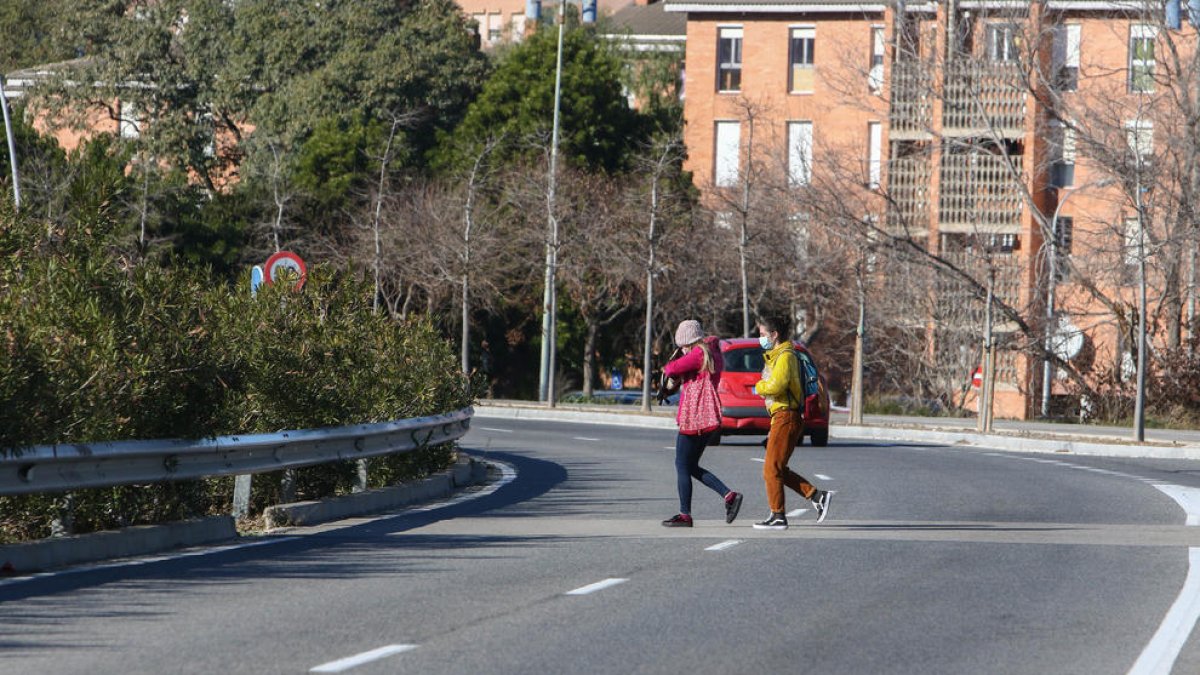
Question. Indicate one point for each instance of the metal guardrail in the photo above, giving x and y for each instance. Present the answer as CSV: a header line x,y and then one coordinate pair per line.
x,y
51,468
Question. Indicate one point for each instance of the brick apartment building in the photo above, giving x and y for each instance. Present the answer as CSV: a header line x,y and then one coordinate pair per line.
x,y
972,138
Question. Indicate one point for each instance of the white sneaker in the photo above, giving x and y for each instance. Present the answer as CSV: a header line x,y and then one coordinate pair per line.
x,y
775,521
821,504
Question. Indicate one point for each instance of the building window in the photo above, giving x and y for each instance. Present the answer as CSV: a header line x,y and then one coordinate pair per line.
x,y
1002,42
1062,141
1066,57
729,59
128,125
1141,58
874,154
875,74
728,154
495,28
961,242
480,24
1064,229
518,27
1001,243
871,225
800,153
800,59
1132,234
1139,134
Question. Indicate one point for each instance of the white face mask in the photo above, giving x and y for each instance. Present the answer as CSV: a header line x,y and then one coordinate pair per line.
x,y
765,342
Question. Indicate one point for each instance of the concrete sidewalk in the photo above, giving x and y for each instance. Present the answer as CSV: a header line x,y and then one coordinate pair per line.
x,y
1012,435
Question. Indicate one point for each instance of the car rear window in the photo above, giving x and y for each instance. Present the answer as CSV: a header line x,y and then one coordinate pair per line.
x,y
744,360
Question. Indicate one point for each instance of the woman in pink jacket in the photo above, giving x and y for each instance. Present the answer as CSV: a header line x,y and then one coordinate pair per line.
x,y
699,415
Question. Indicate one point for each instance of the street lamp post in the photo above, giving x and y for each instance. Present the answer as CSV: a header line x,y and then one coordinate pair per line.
x,y
549,296
1051,287
12,146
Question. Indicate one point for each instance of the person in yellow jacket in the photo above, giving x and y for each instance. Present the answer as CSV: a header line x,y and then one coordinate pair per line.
x,y
784,394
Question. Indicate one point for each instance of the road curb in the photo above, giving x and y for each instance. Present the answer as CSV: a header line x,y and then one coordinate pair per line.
x,y
124,543
541,413
466,471
1020,443
1058,443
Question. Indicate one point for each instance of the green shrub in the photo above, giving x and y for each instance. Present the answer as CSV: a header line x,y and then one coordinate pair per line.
x,y
95,348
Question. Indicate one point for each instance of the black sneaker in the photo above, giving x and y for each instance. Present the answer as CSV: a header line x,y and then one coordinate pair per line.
x,y
775,521
733,504
681,520
820,503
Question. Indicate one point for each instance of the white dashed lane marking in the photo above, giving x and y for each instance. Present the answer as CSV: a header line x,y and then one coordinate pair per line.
x,y
724,545
598,586
359,659
760,460
503,431
585,438
821,476
796,512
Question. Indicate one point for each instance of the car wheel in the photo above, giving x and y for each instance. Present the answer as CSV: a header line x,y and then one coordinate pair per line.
x,y
819,437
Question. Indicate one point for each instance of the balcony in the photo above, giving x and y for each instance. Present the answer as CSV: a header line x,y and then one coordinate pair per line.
x,y
909,179
980,192
984,98
911,115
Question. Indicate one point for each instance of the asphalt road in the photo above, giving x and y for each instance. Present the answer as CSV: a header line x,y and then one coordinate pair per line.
x,y
933,560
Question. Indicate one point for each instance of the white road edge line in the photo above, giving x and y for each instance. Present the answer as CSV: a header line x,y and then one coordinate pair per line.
x,y
598,586
359,659
1162,650
1160,653
507,474
585,438
133,562
821,476
760,460
503,431
724,545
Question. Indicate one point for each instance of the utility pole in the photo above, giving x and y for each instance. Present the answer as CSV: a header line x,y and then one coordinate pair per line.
x,y
12,146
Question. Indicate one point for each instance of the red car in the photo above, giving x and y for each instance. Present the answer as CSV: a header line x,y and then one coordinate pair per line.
x,y
745,412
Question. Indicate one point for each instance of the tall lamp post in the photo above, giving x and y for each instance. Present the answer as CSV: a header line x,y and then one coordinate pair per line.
x,y
12,146
1051,283
549,294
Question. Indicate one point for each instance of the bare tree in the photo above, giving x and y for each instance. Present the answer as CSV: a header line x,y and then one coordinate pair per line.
x,y
657,166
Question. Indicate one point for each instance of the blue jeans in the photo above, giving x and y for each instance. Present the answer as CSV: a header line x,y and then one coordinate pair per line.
x,y
688,450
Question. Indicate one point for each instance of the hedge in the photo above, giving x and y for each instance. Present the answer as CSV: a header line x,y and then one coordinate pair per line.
x,y
95,346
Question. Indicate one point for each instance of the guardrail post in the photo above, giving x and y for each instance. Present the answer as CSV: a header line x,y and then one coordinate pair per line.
x,y
287,486
241,495
360,479
64,521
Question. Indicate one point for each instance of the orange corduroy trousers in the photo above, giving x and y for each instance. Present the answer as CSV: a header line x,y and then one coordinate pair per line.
x,y
787,426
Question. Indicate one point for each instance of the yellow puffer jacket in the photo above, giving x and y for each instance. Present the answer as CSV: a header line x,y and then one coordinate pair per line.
x,y
780,385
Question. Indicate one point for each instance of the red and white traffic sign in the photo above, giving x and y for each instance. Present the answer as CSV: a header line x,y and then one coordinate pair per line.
x,y
286,260
977,377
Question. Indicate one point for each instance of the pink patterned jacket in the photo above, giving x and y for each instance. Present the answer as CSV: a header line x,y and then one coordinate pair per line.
x,y
686,369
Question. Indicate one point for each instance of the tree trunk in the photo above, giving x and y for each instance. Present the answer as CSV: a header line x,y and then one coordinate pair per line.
x,y
589,357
